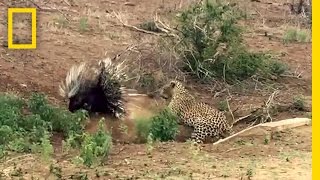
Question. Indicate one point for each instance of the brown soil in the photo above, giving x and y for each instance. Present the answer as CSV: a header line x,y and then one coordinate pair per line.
x,y
61,43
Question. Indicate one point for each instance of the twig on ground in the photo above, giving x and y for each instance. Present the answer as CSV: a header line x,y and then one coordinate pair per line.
x,y
241,118
269,103
117,15
262,114
120,150
165,30
219,92
17,158
67,2
32,2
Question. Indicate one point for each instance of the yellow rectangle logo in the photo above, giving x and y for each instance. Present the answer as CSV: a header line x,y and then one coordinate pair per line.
x,y
33,12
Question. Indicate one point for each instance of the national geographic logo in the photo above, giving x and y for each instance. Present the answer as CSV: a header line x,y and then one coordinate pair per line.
x,y
11,12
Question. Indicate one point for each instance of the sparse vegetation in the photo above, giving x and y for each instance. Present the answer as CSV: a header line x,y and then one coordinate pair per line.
x,y
150,144
83,24
142,127
55,170
249,173
266,140
147,81
96,147
123,128
61,22
276,67
298,103
308,115
296,35
223,105
45,147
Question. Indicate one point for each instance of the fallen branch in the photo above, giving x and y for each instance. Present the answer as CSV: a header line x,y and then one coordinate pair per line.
x,y
32,2
65,1
117,15
269,103
165,30
18,158
262,113
120,150
236,134
272,126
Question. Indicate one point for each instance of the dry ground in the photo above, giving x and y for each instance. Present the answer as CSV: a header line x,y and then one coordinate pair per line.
x,y
85,30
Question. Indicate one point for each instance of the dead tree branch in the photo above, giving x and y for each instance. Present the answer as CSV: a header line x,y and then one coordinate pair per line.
x,y
261,114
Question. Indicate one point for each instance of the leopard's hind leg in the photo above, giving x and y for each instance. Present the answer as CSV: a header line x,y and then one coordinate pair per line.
x,y
201,132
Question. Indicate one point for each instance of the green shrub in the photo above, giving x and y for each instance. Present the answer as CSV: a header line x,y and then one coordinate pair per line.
x,y
276,67
142,129
61,22
13,129
303,36
96,147
147,81
44,147
27,126
299,103
210,44
162,127
61,120
290,35
10,111
83,24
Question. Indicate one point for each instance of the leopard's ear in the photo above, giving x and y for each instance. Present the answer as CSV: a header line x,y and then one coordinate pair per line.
x,y
172,84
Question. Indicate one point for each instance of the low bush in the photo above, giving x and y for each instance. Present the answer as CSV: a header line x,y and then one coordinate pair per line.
x,y
142,127
96,147
28,125
296,35
298,103
210,45
162,127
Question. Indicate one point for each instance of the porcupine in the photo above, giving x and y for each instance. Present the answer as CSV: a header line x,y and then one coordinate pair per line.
x,y
95,87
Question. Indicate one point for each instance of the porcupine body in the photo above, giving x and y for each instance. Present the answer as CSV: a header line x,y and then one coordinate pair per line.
x,y
95,87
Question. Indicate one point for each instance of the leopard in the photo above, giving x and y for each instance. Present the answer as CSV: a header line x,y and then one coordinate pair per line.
x,y
205,120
